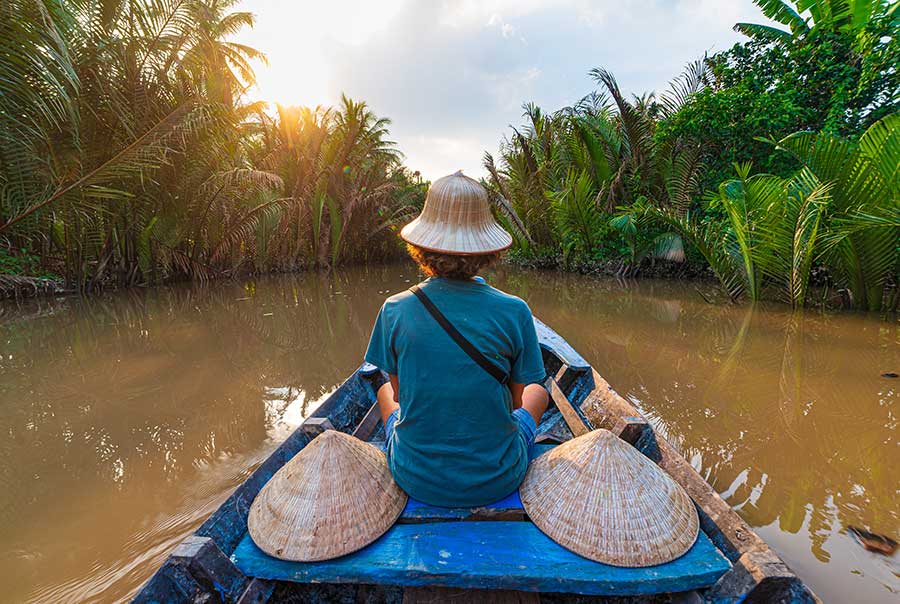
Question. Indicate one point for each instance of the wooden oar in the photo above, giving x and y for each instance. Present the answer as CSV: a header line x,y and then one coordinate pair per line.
x,y
367,425
573,419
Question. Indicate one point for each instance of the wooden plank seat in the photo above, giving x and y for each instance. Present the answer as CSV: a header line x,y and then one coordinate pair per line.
x,y
487,555
508,508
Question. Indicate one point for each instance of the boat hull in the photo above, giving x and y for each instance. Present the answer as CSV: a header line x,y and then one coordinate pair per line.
x,y
217,563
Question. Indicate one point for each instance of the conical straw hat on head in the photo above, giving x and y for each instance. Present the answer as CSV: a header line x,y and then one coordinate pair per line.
x,y
334,497
457,219
599,497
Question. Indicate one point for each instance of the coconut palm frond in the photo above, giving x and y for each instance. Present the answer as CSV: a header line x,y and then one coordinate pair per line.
x,y
576,213
864,178
682,89
763,32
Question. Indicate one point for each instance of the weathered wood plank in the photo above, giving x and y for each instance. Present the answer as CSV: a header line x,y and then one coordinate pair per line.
x,y
369,424
761,577
632,429
210,568
603,406
258,592
173,584
553,430
573,419
313,426
487,555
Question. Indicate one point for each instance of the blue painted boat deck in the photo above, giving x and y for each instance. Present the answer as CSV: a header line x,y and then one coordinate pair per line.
x,y
434,546
416,511
487,555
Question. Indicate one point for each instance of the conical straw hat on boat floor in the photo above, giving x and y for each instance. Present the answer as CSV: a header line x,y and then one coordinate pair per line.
x,y
334,497
599,497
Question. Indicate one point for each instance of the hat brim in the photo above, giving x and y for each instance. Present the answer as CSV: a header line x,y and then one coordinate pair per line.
x,y
489,239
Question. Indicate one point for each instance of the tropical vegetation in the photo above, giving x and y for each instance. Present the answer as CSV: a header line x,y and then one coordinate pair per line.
x,y
129,152
775,163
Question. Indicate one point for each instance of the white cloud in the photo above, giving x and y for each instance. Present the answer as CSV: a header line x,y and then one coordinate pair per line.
x,y
435,156
452,75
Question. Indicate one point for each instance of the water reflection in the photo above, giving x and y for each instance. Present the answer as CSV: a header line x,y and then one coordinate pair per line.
x,y
785,413
127,418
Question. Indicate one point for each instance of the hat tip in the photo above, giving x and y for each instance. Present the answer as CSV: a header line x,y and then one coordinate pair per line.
x,y
458,173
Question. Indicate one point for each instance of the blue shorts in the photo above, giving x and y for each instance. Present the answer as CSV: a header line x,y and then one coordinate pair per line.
x,y
524,421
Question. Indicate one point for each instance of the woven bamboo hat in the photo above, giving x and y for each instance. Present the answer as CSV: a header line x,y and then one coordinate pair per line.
x,y
597,496
334,497
457,219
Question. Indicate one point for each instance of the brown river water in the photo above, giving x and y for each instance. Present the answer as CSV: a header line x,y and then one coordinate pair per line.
x,y
128,417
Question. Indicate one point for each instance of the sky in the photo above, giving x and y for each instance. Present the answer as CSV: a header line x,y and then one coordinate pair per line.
x,y
453,75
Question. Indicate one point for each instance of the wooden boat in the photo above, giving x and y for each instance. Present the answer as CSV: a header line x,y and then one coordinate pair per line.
x,y
489,554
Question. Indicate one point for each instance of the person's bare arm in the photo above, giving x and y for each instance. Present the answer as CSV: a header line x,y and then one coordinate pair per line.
x,y
533,398
395,383
388,397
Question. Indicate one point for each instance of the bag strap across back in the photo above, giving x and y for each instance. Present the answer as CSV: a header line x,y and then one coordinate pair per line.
x,y
482,361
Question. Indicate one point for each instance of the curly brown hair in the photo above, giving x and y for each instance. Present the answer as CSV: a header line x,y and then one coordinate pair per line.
x,y
452,266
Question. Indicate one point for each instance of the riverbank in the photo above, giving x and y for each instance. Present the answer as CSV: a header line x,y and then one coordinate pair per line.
x,y
19,286
823,294
16,286
649,268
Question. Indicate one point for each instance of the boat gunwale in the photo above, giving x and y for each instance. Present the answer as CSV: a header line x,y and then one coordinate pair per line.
x,y
756,568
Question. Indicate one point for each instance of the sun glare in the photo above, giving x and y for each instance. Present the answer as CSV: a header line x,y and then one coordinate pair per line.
x,y
297,38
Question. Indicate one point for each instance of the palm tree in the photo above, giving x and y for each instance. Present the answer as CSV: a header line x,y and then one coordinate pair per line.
x,y
292,147
362,158
862,250
531,168
89,172
846,15
223,65
339,169
666,174
769,234
583,161
839,209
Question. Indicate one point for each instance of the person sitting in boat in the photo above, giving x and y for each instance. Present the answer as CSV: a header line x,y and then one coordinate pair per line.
x,y
465,393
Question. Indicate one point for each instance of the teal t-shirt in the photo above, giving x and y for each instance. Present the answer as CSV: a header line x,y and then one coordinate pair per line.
x,y
455,442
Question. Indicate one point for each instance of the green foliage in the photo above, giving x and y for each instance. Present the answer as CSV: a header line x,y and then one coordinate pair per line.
x,y
22,264
561,175
838,75
850,16
653,176
791,236
863,250
129,154
773,226
344,184
839,209
574,207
